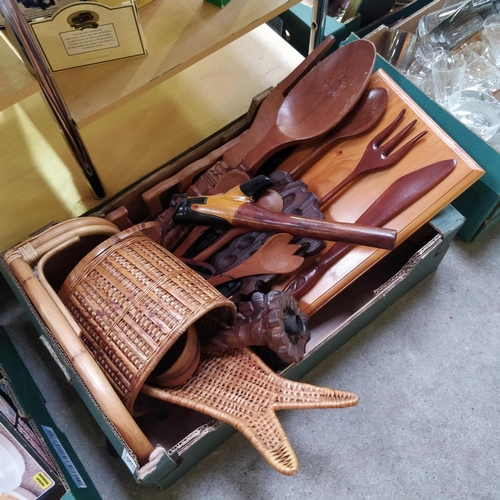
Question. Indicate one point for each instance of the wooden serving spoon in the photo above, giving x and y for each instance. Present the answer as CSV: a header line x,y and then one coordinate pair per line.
x,y
315,105
365,115
263,120
275,256
270,107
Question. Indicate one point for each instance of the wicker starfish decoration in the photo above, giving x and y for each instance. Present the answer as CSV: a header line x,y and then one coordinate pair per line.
x,y
236,387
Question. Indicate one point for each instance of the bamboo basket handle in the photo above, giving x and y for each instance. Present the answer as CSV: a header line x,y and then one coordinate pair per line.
x,y
48,288
65,226
65,329
77,232
35,247
88,369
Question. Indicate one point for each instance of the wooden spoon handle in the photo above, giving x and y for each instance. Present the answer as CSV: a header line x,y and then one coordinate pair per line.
x,y
268,145
250,216
304,281
228,236
337,189
190,239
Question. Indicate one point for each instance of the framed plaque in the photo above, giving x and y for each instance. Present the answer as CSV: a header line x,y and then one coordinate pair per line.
x,y
86,33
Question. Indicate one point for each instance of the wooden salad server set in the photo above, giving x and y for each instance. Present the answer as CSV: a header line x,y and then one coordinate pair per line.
x,y
367,112
275,256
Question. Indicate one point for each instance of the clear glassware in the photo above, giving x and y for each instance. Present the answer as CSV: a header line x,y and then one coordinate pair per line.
x,y
447,78
399,49
426,55
464,22
491,34
429,21
480,72
418,75
479,111
421,77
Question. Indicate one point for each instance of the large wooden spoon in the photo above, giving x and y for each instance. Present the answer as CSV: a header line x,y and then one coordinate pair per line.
x,y
275,256
365,115
315,105
262,122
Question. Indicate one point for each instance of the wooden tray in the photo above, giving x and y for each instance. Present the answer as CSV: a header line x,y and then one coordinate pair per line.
x,y
359,195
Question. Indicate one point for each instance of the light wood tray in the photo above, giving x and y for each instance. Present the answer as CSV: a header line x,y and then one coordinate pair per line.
x,y
359,195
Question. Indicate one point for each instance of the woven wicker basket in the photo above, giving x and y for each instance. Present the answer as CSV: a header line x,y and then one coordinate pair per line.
x,y
133,300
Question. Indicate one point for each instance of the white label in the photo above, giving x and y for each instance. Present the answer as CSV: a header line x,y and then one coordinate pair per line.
x,y
129,461
90,40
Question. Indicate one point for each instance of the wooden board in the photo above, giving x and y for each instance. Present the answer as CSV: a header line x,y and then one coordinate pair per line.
x,y
357,197
178,34
40,181
16,83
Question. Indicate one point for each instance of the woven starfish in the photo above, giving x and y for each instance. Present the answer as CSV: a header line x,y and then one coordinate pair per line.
x,y
236,387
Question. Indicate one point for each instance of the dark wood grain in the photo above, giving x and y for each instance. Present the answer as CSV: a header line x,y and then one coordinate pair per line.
x,y
398,197
365,115
253,217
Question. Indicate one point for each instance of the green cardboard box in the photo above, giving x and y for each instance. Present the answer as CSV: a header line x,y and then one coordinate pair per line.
x,y
24,416
182,437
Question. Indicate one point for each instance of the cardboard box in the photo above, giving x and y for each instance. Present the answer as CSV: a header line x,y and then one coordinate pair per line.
x,y
295,24
182,437
480,204
25,421
396,14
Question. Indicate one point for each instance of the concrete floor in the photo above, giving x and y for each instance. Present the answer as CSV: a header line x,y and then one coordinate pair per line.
x,y
427,425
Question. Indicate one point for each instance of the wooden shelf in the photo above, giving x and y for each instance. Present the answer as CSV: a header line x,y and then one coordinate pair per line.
x,y
16,82
178,34
40,178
